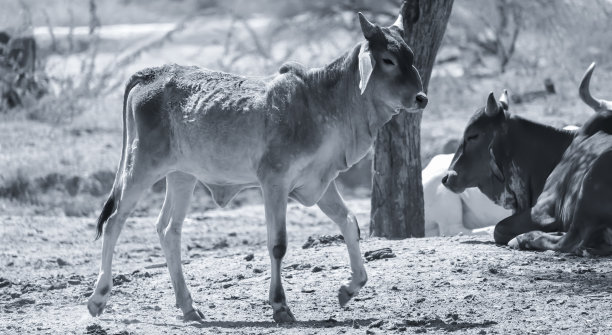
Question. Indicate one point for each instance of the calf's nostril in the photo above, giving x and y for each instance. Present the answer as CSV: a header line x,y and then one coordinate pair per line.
x,y
445,179
421,99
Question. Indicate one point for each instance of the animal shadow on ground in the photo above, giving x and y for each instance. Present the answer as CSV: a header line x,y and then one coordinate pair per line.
x,y
579,280
477,242
448,326
329,323
435,323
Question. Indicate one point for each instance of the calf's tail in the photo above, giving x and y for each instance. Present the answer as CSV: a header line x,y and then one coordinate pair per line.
x,y
111,203
107,210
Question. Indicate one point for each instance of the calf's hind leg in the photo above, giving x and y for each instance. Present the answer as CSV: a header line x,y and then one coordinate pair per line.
x,y
179,189
126,196
333,206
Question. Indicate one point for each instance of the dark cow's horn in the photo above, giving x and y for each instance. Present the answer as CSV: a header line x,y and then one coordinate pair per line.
x,y
585,93
368,28
492,108
503,100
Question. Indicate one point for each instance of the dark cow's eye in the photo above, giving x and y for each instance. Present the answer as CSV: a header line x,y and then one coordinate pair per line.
x,y
472,137
388,61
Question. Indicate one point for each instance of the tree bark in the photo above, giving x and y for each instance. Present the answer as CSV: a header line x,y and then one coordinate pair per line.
x,y
397,190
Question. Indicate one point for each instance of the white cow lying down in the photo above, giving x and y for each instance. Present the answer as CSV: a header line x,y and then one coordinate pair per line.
x,y
447,213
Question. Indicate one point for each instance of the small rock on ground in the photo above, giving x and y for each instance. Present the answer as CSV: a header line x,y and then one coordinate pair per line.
x,y
322,240
379,254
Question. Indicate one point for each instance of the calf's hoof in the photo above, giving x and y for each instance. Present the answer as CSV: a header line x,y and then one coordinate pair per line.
x,y
95,305
344,295
193,315
283,315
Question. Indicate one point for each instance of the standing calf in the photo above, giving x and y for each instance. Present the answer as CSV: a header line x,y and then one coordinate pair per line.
x,y
290,135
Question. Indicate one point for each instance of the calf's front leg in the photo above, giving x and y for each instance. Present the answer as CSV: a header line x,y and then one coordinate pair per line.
x,y
333,206
275,202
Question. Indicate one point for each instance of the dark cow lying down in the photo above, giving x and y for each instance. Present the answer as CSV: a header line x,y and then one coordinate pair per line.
x,y
499,155
577,196
509,159
578,193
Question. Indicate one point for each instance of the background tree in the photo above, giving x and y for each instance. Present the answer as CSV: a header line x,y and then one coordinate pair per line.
x,y
397,191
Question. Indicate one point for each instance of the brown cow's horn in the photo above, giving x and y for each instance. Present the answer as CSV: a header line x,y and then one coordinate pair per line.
x,y
492,108
585,93
367,27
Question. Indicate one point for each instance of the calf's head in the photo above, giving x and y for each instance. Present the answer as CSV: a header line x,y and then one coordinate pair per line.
x,y
386,67
477,161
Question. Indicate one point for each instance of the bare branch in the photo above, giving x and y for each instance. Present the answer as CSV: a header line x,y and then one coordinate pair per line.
x,y
228,36
50,28
260,48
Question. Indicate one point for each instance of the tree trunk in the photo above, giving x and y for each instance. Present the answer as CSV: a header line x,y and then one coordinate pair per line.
x,y
397,190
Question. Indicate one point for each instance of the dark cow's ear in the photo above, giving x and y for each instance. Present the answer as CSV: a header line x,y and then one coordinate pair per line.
x,y
503,100
494,165
492,107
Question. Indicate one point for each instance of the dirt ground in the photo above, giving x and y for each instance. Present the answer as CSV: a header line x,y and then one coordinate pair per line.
x,y
460,284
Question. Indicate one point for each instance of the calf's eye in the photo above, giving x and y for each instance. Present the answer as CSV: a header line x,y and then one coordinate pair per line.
x,y
388,61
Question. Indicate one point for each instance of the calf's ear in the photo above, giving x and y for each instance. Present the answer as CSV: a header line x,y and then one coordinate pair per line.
x,y
369,29
366,65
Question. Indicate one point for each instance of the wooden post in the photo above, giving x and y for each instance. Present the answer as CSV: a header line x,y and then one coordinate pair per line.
x,y
397,190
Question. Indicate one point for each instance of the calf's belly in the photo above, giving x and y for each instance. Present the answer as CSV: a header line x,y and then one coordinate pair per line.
x,y
222,168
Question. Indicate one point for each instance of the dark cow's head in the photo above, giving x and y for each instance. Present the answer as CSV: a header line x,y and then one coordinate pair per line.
x,y
477,161
386,67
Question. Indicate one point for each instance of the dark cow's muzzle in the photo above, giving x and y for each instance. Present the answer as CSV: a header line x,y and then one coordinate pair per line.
x,y
450,182
421,100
